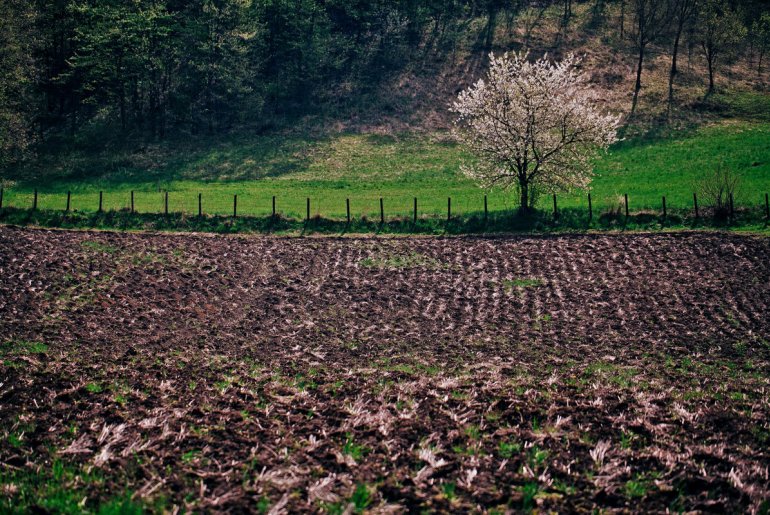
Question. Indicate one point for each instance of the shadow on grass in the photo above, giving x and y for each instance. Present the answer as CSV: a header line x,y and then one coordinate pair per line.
x,y
569,220
726,105
223,158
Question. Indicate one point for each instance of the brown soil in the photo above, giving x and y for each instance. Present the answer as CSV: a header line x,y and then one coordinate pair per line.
x,y
444,374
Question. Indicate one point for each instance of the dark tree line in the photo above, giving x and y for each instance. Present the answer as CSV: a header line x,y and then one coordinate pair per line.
x,y
150,67
199,65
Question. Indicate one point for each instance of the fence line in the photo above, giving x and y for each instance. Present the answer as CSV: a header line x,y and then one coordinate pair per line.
x,y
696,208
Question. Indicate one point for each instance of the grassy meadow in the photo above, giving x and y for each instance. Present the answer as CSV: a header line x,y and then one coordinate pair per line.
x,y
397,168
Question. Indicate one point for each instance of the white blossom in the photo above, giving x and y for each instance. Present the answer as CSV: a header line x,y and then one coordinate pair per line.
x,y
532,126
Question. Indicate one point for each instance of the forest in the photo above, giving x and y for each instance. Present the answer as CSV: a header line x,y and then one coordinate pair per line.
x,y
159,69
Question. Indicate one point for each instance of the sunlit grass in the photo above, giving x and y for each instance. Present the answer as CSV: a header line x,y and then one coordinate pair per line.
x,y
365,168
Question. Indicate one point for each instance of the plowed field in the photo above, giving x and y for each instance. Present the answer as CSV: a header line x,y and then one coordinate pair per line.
x,y
619,372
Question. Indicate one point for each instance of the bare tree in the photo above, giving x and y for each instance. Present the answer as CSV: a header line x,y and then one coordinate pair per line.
x,y
566,16
760,36
531,16
622,18
598,13
650,20
718,187
722,30
683,11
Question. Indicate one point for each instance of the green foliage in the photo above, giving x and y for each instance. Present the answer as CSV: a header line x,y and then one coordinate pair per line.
x,y
536,457
151,66
528,494
400,261
263,505
361,498
722,30
520,284
130,56
15,440
121,506
354,450
190,456
305,383
507,450
636,488
94,388
63,488
448,490
100,247
626,439
22,347
473,432
18,73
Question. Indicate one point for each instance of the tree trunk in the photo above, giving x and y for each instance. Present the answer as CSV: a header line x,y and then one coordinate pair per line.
x,y
209,107
75,101
523,195
565,19
638,86
673,72
710,60
153,119
122,107
597,13
489,37
622,18
135,107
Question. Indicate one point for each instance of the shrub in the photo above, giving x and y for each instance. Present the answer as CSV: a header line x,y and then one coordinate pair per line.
x,y
717,188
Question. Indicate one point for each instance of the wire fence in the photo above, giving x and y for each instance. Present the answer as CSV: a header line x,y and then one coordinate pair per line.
x,y
195,206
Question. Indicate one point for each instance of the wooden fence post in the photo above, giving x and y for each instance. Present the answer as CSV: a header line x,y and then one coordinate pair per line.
x,y
626,200
590,208
200,204
165,203
415,210
132,201
555,209
382,213
695,203
448,209
1,196
347,206
273,206
486,211
732,207
235,206
34,201
307,214
664,206
101,204
69,194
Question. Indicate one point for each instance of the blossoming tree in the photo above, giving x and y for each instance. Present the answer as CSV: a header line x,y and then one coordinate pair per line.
x,y
532,126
